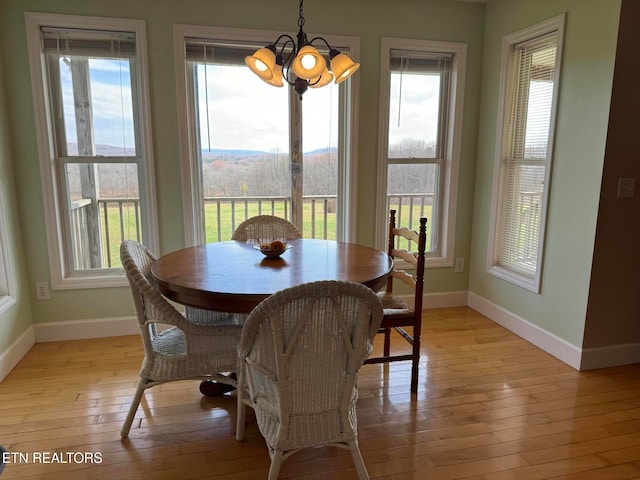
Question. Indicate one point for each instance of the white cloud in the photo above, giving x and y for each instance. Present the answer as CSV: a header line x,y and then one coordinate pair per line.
x,y
247,113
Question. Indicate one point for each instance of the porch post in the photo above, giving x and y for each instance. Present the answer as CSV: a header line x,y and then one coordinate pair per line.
x,y
296,159
86,148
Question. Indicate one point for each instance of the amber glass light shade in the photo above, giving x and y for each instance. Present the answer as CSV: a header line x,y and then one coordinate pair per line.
x,y
308,63
342,67
262,63
323,80
277,79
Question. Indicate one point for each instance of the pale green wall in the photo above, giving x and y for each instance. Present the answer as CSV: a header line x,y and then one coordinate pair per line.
x,y
585,93
15,320
368,19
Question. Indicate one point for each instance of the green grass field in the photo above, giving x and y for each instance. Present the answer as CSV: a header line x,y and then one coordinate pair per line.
x,y
228,218
127,228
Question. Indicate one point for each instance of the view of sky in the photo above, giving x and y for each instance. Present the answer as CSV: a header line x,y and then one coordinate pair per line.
x,y
111,102
248,114
413,107
244,112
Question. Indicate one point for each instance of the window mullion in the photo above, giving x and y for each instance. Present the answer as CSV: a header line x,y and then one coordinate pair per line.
x,y
413,161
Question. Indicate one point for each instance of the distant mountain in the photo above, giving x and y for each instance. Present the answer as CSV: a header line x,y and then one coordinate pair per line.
x,y
104,150
109,151
319,151
220,153
236,153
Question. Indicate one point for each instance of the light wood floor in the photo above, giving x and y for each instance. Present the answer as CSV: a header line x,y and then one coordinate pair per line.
x,y
490,406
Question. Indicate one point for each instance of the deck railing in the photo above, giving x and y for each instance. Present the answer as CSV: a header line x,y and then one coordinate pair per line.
x,y
529,215
226,213
120,219
80,233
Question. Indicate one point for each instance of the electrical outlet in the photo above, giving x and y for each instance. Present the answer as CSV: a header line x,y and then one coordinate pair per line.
x,y
459,265
626,187
42,291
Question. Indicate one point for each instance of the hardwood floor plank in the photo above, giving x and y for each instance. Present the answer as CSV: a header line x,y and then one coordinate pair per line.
x,y
490,406
578,466
618,472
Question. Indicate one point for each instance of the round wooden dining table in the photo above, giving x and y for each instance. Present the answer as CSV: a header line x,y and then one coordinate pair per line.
x,y
235,276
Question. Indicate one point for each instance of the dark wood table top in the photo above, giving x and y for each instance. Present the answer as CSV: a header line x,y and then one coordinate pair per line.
x,y
234,276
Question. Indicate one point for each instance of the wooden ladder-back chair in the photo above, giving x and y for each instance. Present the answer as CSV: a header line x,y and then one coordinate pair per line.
x,y
398,314
265,228
300,353
186,350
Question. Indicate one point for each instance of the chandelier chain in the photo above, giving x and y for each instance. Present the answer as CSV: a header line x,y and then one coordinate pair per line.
x,y
301,16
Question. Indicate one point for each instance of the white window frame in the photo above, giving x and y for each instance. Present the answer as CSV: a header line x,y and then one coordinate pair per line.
x,y
347,137
452,139
555,26
7,282
61,276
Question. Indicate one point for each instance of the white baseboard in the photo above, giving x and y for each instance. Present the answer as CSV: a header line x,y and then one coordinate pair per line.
x,y
14,353
610,356
586,359
439,300
547,341
113,327
79,329
445,299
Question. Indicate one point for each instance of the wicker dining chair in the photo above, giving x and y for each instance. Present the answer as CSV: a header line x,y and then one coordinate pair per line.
x,y
185,350
400,315
265,228
300,353
261,228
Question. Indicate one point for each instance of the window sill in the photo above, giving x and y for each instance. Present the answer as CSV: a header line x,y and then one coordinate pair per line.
x,y
429,262
529,283
82,282
6,302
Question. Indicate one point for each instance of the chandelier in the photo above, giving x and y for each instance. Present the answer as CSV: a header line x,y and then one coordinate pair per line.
x,y
303,62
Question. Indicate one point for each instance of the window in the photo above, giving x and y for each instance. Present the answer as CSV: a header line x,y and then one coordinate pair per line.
x,y
421,117
250,148
531,61
6,275
94,139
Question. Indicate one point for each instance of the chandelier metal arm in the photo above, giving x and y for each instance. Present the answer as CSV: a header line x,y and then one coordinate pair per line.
x,y
289,39
309,67
332,51
281,60
323,40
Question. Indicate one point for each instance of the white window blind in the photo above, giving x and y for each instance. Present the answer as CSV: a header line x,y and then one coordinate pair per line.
x,y
88,43
525,158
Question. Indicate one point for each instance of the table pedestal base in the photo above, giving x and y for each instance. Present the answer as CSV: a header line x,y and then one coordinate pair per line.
x,y
211,388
